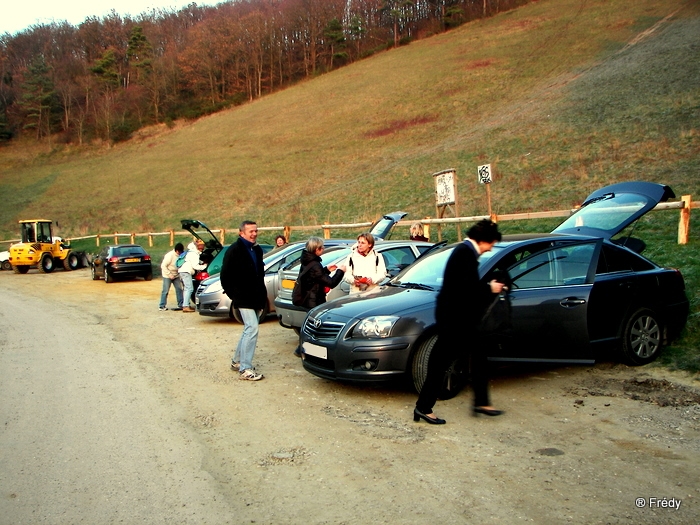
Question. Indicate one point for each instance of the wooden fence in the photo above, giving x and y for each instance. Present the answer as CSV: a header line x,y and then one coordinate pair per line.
x,y
684,205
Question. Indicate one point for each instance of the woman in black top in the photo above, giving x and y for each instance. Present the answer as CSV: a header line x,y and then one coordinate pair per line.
x,y
315,278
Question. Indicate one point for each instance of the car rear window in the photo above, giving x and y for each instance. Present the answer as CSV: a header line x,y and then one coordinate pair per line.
x,y
613,259
123,251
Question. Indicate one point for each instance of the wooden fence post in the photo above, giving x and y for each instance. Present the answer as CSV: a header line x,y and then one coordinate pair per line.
x,y
132,238
97,239
150,240
116,238
326,233
172,237
684,224
287,232
222,236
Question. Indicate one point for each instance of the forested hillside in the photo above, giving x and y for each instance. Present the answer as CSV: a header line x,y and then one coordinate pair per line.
x,y
559,96
110,76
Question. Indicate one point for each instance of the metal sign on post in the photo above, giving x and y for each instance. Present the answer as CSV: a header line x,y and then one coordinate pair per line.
x,y
446,196
484,177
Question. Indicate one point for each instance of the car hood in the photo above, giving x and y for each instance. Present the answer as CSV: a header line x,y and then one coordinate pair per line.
x,y
210,241
381,301
609,210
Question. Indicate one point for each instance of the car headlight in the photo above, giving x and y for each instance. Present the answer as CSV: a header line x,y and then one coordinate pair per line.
x,y
213,287
378,326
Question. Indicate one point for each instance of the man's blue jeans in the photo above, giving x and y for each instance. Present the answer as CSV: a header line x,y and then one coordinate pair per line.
x,y
167,281
249,338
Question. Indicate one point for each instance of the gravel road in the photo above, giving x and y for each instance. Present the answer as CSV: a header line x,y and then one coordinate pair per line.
x,y
114,412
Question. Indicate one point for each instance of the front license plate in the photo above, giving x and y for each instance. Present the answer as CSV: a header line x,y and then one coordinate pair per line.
x,y
132,260
315,350
288,284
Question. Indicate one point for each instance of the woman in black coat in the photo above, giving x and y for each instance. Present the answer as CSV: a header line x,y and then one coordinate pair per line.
x,y
315,278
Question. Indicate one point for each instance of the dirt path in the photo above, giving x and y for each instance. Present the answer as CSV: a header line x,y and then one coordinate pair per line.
x,y
577,445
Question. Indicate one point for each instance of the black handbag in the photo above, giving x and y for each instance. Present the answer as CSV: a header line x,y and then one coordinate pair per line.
x,y
299,296
497,317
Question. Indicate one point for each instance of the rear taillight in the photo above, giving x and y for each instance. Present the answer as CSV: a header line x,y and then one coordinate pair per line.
x,y
113,259
146,257
202,275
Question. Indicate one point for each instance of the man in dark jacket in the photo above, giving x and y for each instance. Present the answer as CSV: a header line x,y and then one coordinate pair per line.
x,y
243,280
461,304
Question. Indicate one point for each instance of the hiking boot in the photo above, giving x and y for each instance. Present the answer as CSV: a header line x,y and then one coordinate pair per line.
x,y
177,309
250,375
187,309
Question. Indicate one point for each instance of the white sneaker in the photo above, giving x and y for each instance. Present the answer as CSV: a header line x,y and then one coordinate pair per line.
x,y
235,366
162,308
250,375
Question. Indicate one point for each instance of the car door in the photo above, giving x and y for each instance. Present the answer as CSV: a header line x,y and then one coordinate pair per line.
x,y
623,279
100,260
550,291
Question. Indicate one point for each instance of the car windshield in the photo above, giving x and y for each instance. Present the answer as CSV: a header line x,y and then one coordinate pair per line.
x,y
427,272
606,213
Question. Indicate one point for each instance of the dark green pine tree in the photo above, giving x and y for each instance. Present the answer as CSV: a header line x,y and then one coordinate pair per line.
x,y
336,37
139,53
38,98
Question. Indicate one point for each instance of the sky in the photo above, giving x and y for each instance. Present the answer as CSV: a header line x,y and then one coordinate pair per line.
x,y
16,15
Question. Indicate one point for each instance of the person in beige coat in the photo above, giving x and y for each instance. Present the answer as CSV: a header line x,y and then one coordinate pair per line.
x,y
168,269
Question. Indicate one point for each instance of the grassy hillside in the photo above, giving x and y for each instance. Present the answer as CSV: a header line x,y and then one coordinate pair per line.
x,y
559,96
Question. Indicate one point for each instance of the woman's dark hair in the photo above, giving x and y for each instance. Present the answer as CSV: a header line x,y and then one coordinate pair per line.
x,y
484,231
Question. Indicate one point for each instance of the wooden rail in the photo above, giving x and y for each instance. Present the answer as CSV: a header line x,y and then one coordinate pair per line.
x,y
684,205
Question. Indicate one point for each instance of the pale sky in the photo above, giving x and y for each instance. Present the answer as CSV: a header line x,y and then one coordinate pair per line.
x,y
16,15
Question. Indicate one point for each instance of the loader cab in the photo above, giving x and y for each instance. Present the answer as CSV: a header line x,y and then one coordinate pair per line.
x,y
36,231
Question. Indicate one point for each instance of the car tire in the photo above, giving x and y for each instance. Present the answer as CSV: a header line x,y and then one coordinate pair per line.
x,y
6,265
20,269
108,277
93,273
456,376
46,264
71,262
148,276
642,338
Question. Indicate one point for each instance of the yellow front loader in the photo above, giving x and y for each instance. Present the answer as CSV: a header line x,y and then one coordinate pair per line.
x,y
39,248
